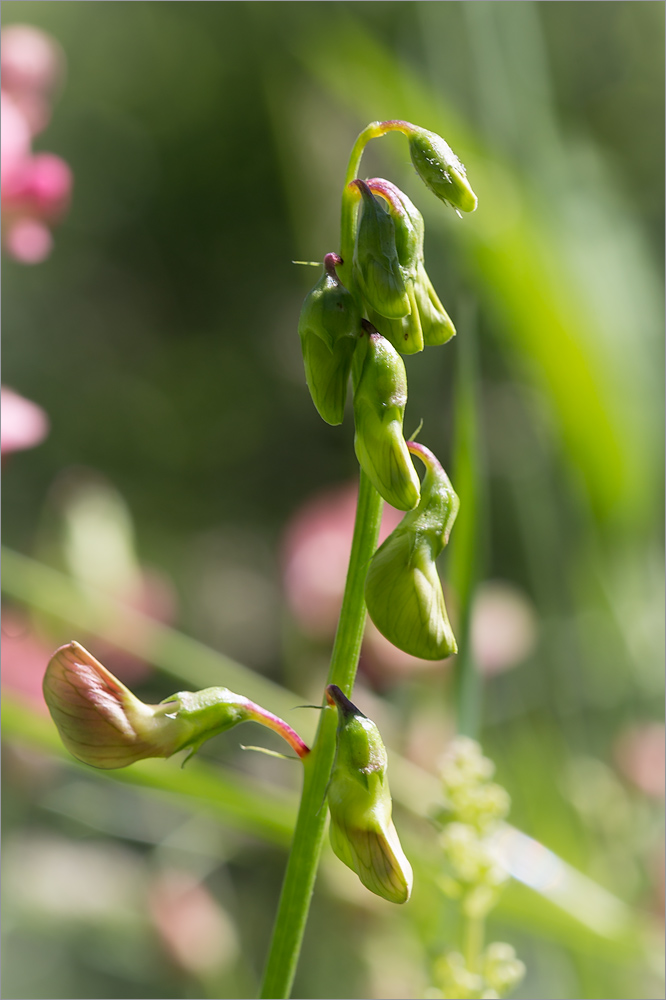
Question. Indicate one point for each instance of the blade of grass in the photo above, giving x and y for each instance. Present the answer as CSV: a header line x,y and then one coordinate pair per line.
x,y
239,800
466,540
85,608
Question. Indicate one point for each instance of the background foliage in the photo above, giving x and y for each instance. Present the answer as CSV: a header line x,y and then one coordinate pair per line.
x,y
208,144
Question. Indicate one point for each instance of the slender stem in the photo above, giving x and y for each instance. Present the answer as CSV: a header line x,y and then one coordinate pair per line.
x,y
473,932
279,726
309,833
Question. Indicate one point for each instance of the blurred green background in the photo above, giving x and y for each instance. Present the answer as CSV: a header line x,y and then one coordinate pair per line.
x,y
208,143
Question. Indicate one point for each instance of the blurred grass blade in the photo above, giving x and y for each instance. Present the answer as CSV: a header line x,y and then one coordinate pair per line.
x,y
239,800
465,558
83,607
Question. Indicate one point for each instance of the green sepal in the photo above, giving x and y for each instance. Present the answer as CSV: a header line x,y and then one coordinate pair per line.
x,y
440,169
375,267
403,591
380,395
329,326
362,832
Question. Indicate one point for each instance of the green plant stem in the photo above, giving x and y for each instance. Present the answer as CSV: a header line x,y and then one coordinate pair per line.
x,y
309,833
473,932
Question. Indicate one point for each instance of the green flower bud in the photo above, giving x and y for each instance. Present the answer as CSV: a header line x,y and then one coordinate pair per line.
x,y
403,591
375,266
440,169
428,322
362,832
469,794
455,979
329,326
501,969
103,724
380,396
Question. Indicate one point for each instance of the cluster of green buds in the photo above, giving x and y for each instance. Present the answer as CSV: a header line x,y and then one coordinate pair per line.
x,y
499,973
103,724
387,307
472,809
362,832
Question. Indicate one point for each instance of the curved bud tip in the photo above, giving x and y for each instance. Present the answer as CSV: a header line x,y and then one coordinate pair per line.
x,y
440,169
338,699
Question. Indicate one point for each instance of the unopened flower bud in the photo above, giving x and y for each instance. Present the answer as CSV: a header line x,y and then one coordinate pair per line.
x,y
103,724
375,267
403,591
405,333
440,169
380,397
428,323
455,978
362,832
501,969
329,326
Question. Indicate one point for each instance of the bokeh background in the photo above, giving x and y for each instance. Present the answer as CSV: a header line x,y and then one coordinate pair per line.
x,y
188,506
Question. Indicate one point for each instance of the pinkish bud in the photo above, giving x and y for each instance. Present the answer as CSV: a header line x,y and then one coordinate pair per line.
x,y
103,724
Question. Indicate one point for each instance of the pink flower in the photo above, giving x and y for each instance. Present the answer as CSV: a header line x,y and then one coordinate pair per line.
x,y
639,752
24,424
35,188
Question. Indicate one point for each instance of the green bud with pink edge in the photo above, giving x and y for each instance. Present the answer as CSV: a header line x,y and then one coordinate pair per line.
x,y
380,397
329,326
403,590
375,267
428,323
103,724
362,832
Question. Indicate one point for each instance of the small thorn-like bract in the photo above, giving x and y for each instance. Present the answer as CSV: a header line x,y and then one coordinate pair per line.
x,y
375,266
103,724
403,591
380,396
329,327
362,832
440,169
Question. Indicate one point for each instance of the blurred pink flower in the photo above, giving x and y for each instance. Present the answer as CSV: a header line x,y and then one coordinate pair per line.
x,y
24,657
195,930
23,423
639,752
35,188
32,67
316,549
503,627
